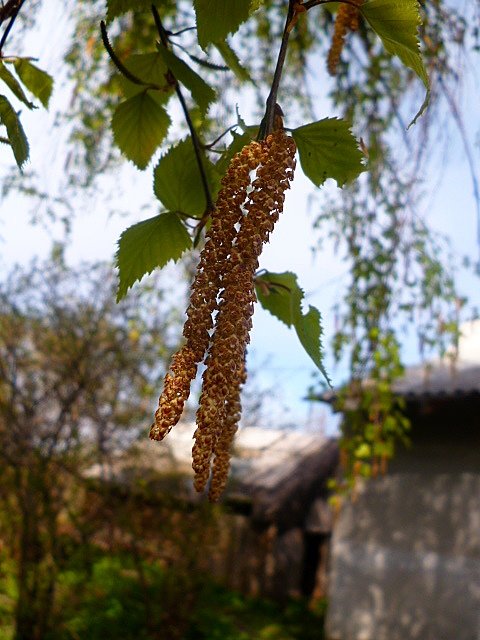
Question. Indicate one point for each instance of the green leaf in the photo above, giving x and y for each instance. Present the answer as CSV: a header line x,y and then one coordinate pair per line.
x,y
202,93
117,8
309,332
38,82
14,86
217,18
139,125
177,181
147,245
327,149
232,61
280,294
150,68
15,132
396,23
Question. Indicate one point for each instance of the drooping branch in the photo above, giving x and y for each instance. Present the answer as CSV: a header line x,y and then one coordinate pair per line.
x,y
119,64
9,10
197,145
267,124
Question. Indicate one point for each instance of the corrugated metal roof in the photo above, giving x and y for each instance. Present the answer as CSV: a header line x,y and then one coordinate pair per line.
x,y
457,375
440,380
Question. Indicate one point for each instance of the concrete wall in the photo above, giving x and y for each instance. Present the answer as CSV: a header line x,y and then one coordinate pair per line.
x,y
406,554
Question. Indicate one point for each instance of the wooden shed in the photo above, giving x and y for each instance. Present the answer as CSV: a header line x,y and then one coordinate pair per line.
x,y
406,555
274,526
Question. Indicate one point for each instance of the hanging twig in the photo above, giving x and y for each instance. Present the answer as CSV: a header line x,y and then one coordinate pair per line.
x,y
197,145
314,3
267,124
11,9
120,66
212,144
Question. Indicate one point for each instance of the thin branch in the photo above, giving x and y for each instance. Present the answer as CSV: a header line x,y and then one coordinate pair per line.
x,y
7,10
212,144
314,3
16,11
200,61
197,145
119,64
178,33
267,124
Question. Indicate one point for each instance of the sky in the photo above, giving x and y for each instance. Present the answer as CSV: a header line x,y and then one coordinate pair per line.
x,y
275,354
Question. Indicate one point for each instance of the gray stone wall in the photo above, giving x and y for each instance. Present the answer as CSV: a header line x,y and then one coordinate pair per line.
x,y
406,554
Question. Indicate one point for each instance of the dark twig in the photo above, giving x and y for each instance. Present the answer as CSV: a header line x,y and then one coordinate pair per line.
x,y
119,64
314,3
14,8
178,33
212,144
267,124
8,9
200,61
197,145
295,8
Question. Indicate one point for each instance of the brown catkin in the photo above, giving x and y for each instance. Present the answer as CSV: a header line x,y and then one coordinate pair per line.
x,y
205,288
223,445
346,20
218,412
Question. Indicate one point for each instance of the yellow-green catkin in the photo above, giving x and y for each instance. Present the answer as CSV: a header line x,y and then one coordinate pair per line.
x,y
346,20
219,407
204,291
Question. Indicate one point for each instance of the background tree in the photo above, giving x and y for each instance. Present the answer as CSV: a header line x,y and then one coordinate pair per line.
x,y
76,376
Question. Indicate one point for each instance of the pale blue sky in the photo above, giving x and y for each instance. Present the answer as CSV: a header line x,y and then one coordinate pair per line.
x,y
449,207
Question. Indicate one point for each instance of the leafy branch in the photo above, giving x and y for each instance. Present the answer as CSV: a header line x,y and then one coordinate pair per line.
x,y
193,132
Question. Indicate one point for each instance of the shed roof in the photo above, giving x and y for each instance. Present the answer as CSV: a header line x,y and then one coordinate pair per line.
x,y
457,375
440,380
276,474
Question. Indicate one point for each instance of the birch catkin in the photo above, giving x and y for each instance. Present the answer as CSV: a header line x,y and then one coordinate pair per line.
x,y
346,20
204,291
223,376
244,216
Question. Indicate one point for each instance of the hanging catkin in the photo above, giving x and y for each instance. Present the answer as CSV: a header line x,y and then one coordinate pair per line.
x,y
346,20
218,411
244,216
205,288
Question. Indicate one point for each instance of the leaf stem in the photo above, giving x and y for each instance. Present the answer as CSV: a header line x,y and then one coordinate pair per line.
x,y
197,145
15,7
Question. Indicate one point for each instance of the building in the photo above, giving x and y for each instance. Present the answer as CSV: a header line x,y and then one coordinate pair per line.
x,y
406,554
274,525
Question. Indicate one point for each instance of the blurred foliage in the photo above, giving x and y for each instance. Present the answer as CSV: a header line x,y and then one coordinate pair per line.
x,y
114,602
76,379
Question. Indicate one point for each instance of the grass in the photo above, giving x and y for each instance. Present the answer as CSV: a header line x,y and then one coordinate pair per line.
x,y
112,602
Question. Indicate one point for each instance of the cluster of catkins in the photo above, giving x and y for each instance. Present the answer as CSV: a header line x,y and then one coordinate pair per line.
x,y
221,305
346,20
